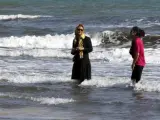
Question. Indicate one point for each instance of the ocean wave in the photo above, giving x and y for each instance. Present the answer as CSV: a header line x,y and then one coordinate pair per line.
x,y
20,16
105,82
104,39
108,45
108,55
52,100
128,23
35,78
149,86
41,100
47,41
123,39
143,85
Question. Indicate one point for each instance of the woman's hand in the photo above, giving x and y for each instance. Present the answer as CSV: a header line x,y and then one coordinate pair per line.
x,y
80,48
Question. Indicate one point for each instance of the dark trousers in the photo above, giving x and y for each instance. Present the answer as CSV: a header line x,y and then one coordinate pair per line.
x,y
136,73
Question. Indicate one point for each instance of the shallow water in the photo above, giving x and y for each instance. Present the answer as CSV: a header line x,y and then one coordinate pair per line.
x,y
32,89
35,61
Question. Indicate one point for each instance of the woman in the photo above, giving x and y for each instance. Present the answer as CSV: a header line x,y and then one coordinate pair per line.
x,y
137,53
82,45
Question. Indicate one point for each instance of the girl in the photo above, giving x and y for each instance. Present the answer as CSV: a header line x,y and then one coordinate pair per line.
x,y
137,53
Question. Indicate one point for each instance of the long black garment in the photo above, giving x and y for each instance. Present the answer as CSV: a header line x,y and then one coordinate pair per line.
x,y
81,67
131,51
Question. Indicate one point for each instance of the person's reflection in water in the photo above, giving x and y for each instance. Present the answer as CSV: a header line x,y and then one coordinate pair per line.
x,y
138,95
80,93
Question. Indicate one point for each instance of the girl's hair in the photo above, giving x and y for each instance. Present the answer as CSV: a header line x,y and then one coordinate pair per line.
x,y
139,32
80,25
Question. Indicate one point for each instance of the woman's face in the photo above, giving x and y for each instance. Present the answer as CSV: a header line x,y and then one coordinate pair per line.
x,y
80,30
133,33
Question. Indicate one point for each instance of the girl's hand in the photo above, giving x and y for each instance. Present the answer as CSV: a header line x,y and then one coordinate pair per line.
x,y
133,65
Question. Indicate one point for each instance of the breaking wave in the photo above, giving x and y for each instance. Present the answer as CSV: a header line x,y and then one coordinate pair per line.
x,y
20,16
105,38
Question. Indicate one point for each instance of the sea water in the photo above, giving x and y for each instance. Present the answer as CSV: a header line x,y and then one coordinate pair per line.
x,y
35,61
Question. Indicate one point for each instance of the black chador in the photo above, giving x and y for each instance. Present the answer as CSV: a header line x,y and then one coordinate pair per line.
x,y
81,67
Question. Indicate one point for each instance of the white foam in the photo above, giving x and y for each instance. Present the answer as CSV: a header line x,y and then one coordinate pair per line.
x,y
19,78
143,85
110,34
20,16
150,86
152,56
47,41
113,54
42,100
60,46
52,100
51,41
105,81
